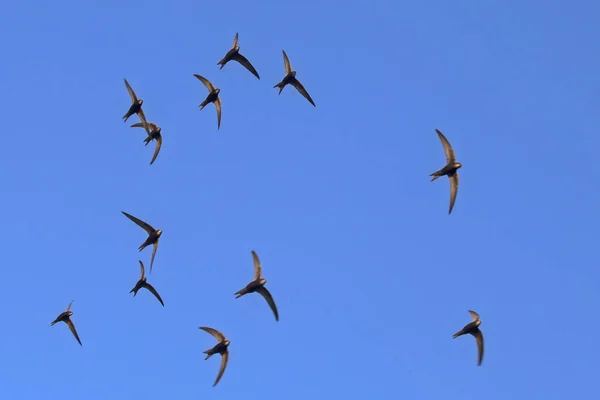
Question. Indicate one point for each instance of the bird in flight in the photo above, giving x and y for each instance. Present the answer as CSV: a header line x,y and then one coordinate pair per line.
x,y
234,54
153,236
65,317
290,78
143,284
450,169
213,97
258,285
472,328
220,348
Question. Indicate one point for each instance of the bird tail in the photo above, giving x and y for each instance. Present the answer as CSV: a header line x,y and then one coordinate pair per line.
x,y
240,293
457,334
208,354
434,176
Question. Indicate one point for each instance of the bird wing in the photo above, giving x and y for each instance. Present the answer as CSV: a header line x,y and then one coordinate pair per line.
x,y
69,307
134,98
143,119
145,226
218,107
206,82
450,157
157,148
215,333
235,40
72,328
224,360
244,61
474,315
453,191
151,125
296,83
142,270
257,266
479,339
286,63
153,291
267,295
154,247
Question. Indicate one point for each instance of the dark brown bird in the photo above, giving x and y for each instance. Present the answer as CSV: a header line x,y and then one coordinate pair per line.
x,y
143,284
220,348
258,285
155,134
450,169
153,236
213,97
472,328
135,108
66,318
234,54
290,78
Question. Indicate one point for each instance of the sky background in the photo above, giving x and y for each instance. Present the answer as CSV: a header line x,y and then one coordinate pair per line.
x,y
370,274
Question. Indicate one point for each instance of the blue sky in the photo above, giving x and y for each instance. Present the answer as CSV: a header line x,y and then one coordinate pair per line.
x,y
370,274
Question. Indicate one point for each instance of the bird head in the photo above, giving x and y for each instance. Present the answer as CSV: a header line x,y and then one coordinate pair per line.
x,y
293,73
140,101
159,232
236,48
262,281
69,313
457,165
217,91
226,342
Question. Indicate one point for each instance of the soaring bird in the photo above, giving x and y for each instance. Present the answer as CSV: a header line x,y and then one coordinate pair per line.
x,y
220,348
290,78
472,328
234,54
65,317
213,97
143,284
155,134
258,285
450,169
135,108
153,236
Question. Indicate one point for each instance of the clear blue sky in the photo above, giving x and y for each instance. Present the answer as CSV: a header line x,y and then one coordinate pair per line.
x,y
371,275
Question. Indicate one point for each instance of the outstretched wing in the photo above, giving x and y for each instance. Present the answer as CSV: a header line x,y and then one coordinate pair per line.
x,y
244,61
154,248
218,107
224,360
142,270
257,266
235,40
144,225
134,98
286,63
267,295
296,83
157,148
73,330
154,292
450,158
453,191
151,125
474,315
479,339
206,82
215,333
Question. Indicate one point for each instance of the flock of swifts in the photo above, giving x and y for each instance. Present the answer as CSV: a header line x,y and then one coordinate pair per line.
x,y
258,283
